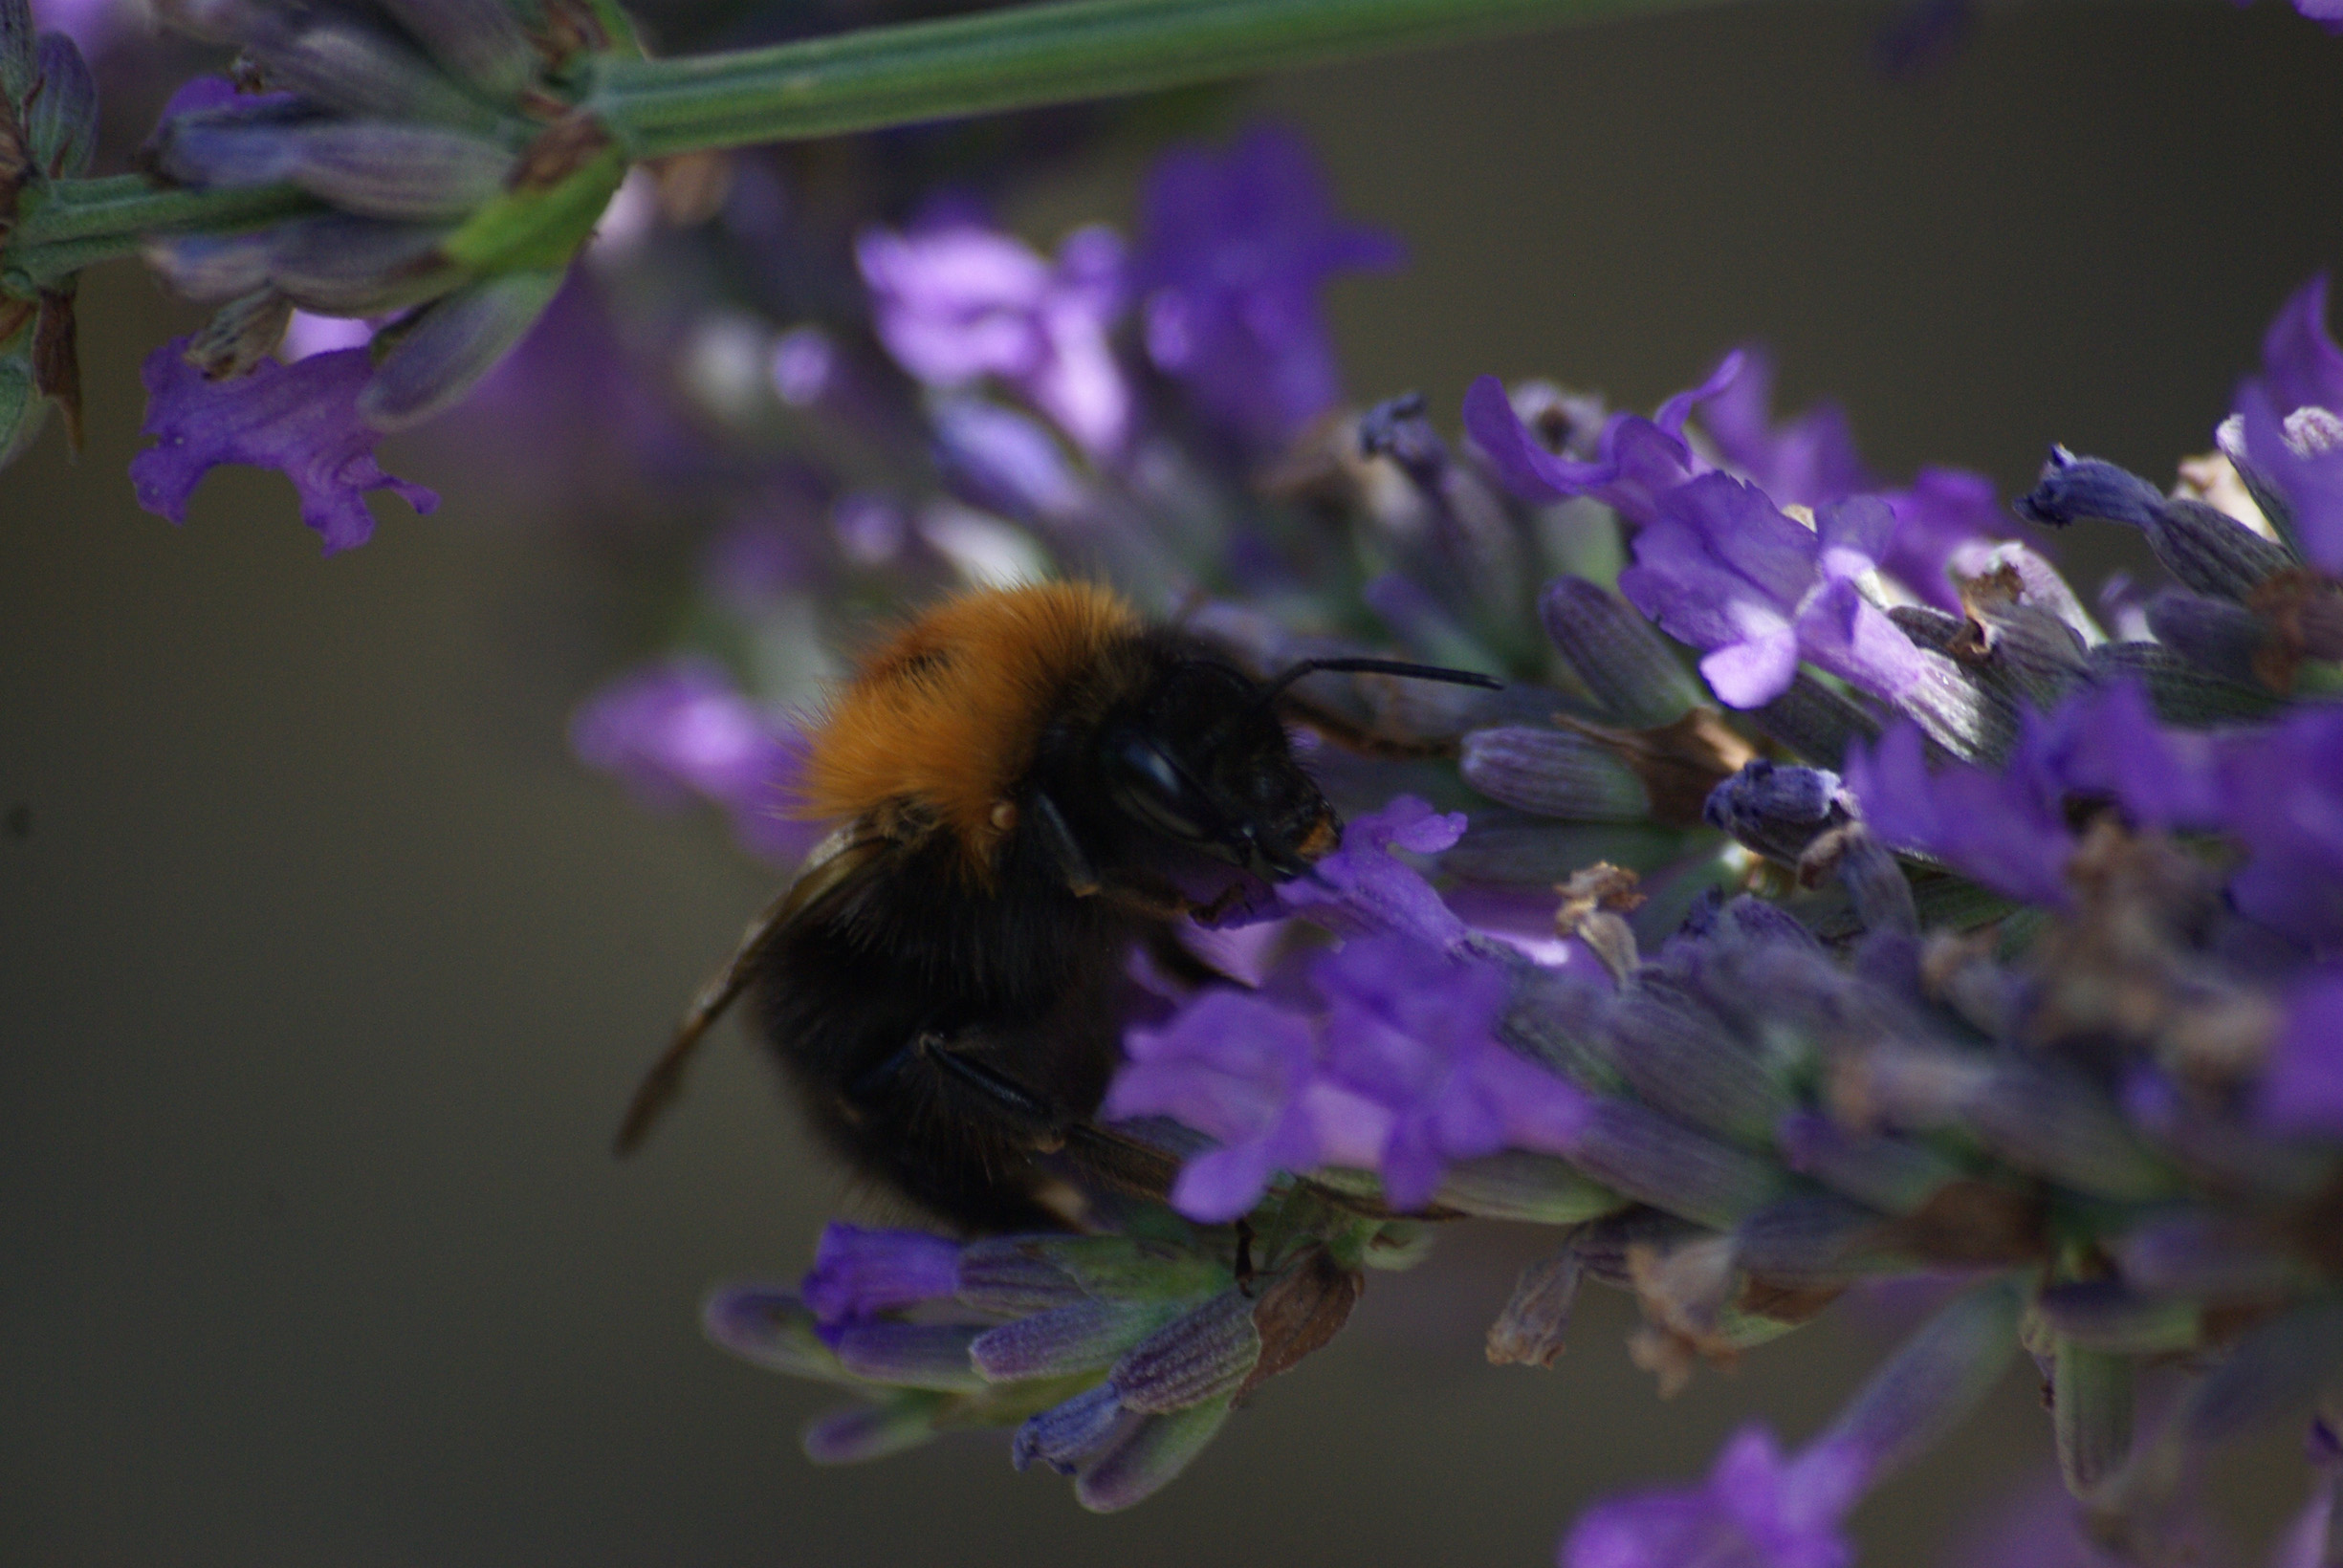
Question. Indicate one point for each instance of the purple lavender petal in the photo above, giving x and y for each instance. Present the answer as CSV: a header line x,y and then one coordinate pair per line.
x,y
1239,1070
1639,460
954,301
1756,1510
1235,247
2282,790
1943,516
2302,1087
859,1272
679,730
1362,888
1413,1030
2002,829
1808,461
2302,369
300,420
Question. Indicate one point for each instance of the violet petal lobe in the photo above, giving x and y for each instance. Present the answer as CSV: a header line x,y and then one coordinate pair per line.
x,y
300,420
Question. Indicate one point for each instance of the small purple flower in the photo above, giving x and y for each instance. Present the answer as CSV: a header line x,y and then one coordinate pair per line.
x,y
1413,1030
2005,828
954,301
1944,520
859,1273
302,420
682,729
1234,249
1720,567
1761,1508
1811,461
1362,888
1808,460
1241,1070
1638,459
2302,1086
2292,422
2282,795
1403,1074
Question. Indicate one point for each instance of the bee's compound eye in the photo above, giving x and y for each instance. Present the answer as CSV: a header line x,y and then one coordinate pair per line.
x,y
1147,783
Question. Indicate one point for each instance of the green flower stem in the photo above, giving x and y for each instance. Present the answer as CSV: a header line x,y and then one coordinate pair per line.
x,y
1022,57
67,224
1017,57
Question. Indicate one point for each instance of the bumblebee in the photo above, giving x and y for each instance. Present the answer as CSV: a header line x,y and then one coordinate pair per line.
x,y
1034,782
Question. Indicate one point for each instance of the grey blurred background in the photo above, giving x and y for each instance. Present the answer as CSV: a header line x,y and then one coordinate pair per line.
x,y
324,972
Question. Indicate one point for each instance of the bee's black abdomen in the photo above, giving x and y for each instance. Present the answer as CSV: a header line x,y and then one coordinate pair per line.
x,y
945,1033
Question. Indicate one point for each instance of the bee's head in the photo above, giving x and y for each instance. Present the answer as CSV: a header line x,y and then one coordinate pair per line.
x,y
1204,761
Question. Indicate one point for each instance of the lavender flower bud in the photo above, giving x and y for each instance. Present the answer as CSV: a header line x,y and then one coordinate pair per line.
x,y
1147,1457
342,265
240,334
1002,1274
435,357
2206,547
1891,1174
1205,1355
2214,634
859,1432
1776,811
1643,1155
1632,670
481,43
2091,1414
1529,1330
1066,1433
2183,692
362,71
1874,882
1516,1185
2107,1315
2229,436
1930,1384
1813,1241
1554,772
933,1356
772,1328
1681,1058
1085,1337
63,122
18,69
859,1273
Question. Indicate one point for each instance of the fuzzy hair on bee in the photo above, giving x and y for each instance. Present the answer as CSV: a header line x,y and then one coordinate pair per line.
x,y
1031,782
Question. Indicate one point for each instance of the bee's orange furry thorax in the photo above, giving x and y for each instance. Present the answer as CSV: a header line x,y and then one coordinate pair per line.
x,y
943,718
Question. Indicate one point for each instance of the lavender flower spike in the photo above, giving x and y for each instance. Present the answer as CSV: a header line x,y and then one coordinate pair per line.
x,y
1763,1509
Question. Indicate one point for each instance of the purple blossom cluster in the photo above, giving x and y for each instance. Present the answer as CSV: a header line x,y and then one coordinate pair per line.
x,y
1829,897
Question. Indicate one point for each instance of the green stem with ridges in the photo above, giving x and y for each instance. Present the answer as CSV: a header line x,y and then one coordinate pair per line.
x,y
1023,57
1019,57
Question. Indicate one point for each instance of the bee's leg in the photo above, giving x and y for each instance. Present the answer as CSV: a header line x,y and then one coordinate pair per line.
x,y
1080,877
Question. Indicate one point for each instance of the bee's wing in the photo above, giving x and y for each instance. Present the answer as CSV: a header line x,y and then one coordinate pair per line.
x,y
833,863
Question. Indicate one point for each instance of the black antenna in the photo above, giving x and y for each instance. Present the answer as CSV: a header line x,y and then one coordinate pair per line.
x,y
1376,666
